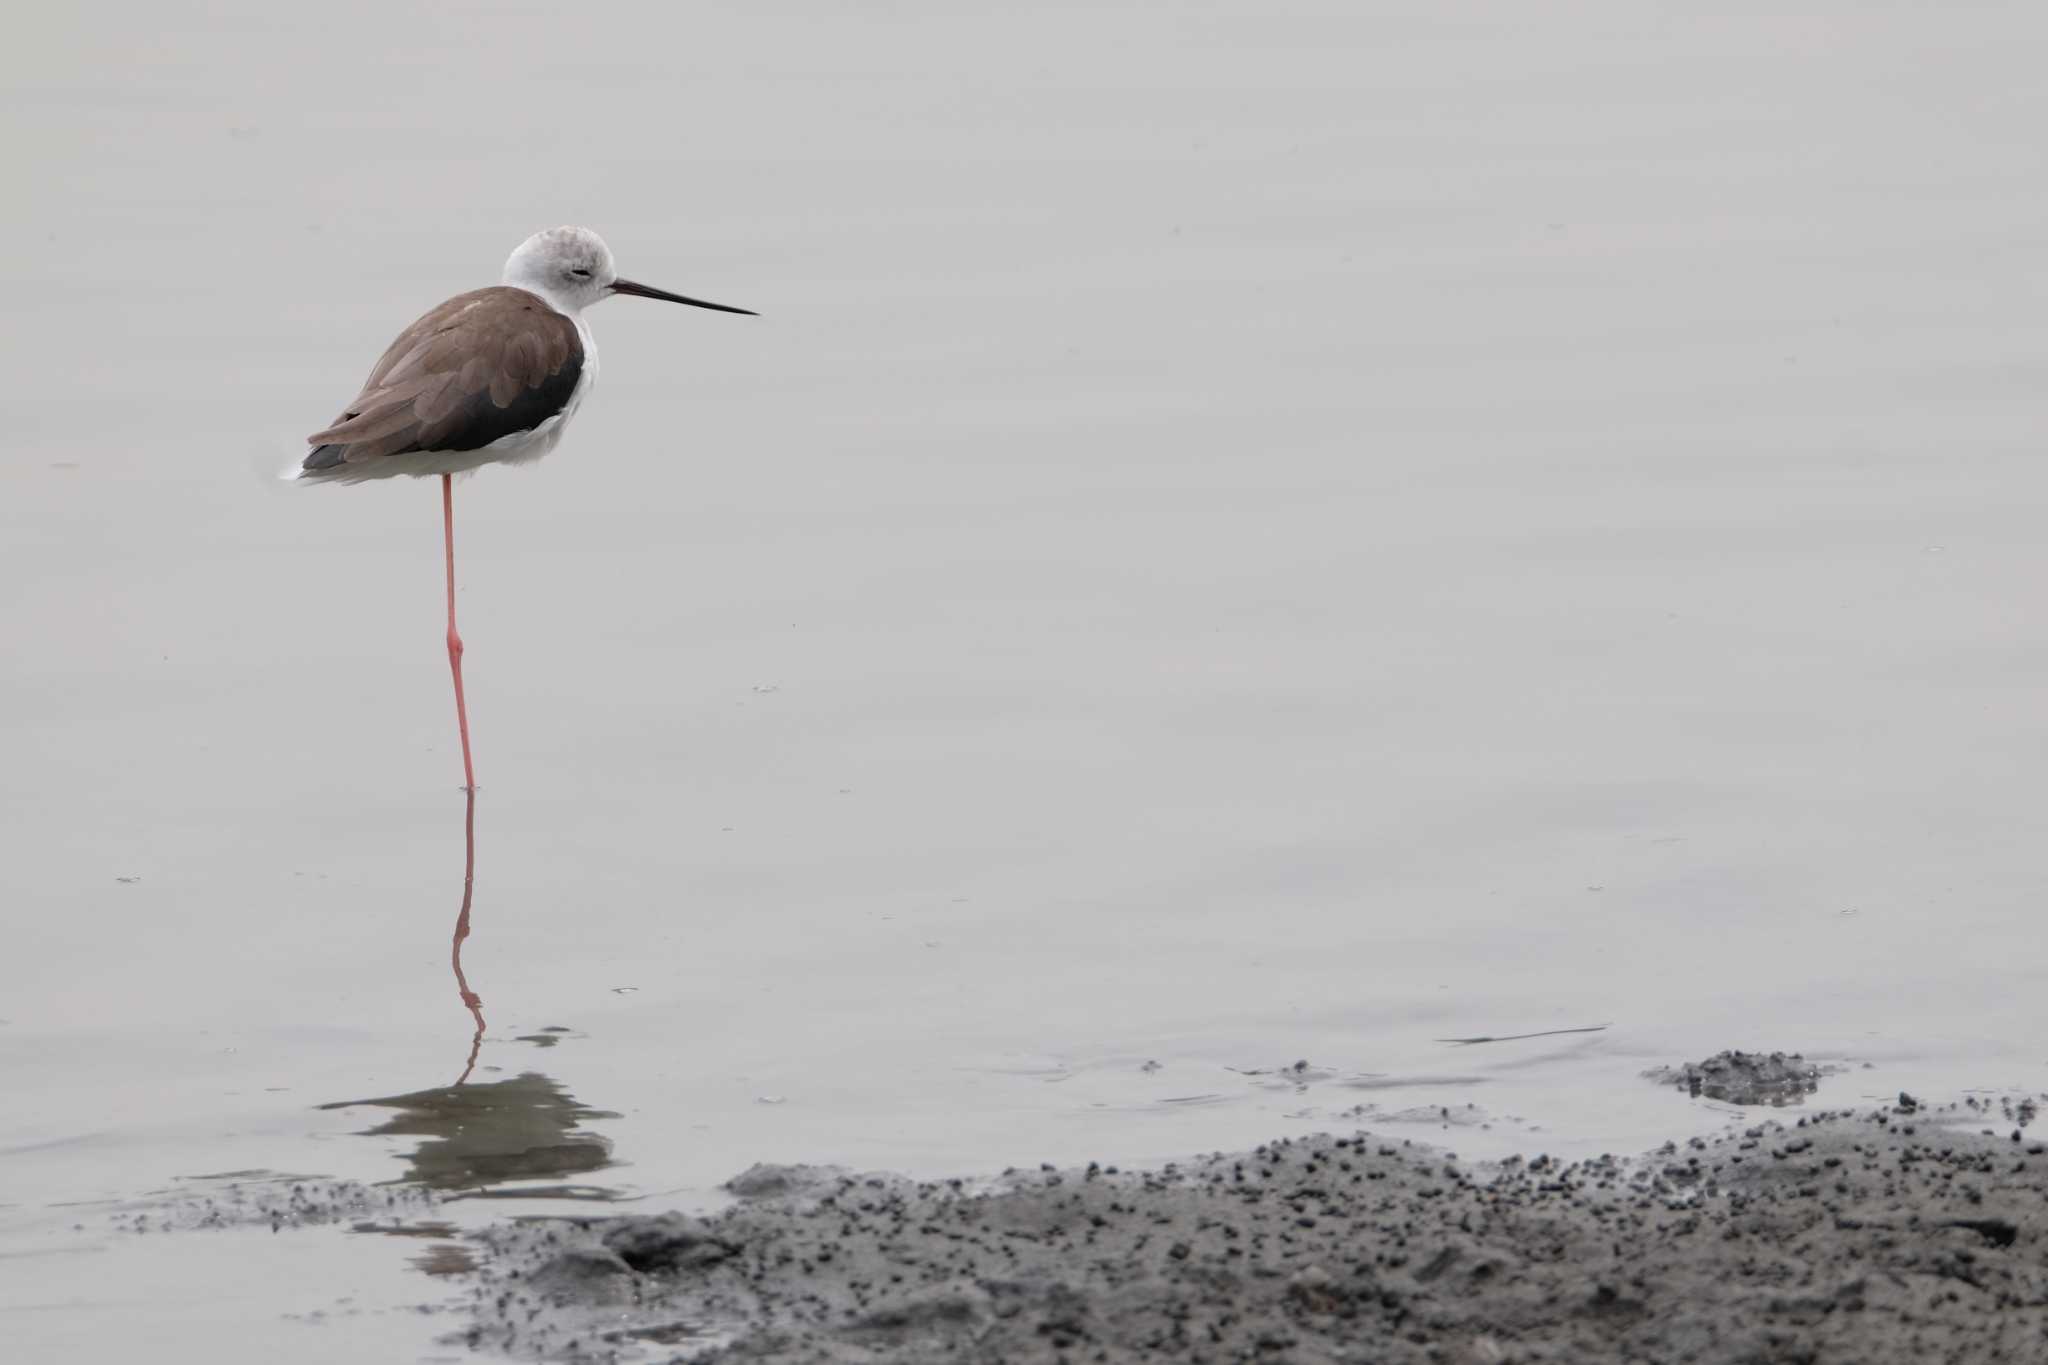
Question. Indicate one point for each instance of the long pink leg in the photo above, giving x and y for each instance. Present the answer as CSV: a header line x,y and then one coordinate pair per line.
x,y
455,640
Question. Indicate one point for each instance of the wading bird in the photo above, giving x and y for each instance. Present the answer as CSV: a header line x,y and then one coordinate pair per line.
x,y
489,377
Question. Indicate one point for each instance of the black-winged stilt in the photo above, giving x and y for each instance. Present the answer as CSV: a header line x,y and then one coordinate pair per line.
x,y
489,377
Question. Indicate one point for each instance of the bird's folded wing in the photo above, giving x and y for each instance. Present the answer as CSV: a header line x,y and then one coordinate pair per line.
x,y
481,367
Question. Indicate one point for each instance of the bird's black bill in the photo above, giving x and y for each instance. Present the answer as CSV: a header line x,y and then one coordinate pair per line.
x,y
648,291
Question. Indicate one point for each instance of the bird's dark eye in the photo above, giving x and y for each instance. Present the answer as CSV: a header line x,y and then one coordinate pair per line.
x,y
581,273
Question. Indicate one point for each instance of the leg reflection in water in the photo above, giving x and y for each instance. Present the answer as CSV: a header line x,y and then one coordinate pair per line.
x,y
471,1001
494,1137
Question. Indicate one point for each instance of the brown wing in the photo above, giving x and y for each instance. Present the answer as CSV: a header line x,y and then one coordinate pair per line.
x,y
482,366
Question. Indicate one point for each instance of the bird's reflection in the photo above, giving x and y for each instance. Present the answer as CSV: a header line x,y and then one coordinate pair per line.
x,y
471,1001
478,1135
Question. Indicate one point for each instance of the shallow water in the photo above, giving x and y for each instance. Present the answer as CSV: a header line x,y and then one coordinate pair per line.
x,y
1276,536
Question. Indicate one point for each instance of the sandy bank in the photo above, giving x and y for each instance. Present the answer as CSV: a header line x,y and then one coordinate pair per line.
x,y
1872,1237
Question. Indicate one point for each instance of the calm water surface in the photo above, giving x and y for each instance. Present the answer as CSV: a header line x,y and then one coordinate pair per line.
x,y
1250,535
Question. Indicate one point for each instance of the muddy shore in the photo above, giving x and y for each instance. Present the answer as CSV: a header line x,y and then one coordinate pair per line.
x,y
1897,1235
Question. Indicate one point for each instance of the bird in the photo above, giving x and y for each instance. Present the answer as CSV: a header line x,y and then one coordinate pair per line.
x,y
488,377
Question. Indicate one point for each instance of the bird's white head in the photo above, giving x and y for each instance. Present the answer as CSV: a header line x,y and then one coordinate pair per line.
x,y
572,268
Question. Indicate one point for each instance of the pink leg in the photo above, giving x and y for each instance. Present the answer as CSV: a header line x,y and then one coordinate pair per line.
x,y
455,640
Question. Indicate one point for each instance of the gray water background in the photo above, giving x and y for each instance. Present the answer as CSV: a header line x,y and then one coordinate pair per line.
x,y
1244,534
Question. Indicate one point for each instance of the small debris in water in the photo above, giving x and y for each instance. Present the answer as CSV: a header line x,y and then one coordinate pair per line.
x,y
1517,1037
1296,1077
1772,1078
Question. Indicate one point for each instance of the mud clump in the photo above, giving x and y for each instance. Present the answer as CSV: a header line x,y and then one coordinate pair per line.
x,y
1881,1238
584,1275
669,1242
1772,1078
764,1181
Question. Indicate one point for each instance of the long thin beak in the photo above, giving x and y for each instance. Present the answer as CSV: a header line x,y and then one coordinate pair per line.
x,y
648,291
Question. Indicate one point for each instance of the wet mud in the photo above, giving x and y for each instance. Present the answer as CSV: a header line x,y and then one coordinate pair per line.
x,y
1896,1235
241,1199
